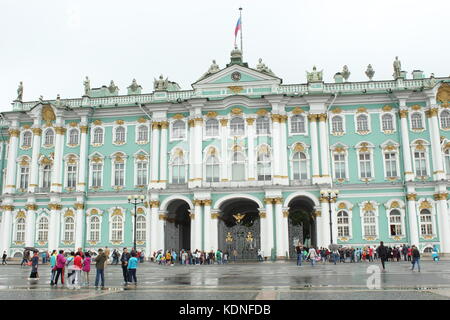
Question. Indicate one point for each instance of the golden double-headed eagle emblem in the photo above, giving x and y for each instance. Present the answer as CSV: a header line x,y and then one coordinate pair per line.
x,y
238,217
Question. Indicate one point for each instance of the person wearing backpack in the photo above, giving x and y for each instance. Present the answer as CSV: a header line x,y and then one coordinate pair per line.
x,y
60,263
86,267
415,258
70,270
382,253
132,266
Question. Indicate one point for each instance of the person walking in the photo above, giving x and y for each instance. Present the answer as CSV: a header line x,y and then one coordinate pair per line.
x,y
53,267
86,267
382,253
299,251
60,263
312,254
235,253
415,258
34,265
124,261
132,266
77,266
100,262
4,256
70,270
26,256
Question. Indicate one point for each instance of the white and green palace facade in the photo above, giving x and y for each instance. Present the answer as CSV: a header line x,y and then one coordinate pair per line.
x,y
239,162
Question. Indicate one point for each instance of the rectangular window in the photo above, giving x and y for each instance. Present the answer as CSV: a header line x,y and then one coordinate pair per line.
x,y
141,173
339,166
97,175
24,174
390,160
71,176
364,165
421,164
119,173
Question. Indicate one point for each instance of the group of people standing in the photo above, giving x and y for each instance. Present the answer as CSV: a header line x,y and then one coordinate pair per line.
x,y
186,257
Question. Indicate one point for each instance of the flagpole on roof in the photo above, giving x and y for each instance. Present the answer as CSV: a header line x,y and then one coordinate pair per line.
x,y
240,17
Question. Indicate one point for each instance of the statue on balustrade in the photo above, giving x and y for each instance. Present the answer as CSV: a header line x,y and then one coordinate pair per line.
x,y
314,76
20,92
161,84
112,87
397,68
261,67
370,72
87,86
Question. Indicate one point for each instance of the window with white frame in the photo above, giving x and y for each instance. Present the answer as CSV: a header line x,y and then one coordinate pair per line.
x,y
71,175
97,174
20,230
98,136
362,123
369,224
298,124
116,228
49,137
365,165
178,169
26,139
119,136
238,166
420,162
343,224
94,229
119,174
46,176
141,171
24,176
339,166
337,124
212,128
73,137
264,165
445,119
42,229
262,125
395,223
69,229
447,160
178,129
390,163
426,223
212,169
142,134
299,166
237,126
140,228
416,121
387,122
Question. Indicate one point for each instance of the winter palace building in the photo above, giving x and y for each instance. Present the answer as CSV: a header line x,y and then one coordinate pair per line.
x,y
241,161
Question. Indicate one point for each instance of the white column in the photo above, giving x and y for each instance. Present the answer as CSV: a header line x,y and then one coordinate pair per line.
x,y
30,227
318,224
160,230
54,227
155,154
153,220
251,148
443,221
276,150
267,239
324,154
325,220
80,222
198,138
224,151
208,225
214,231
163,167
280,232
34,172
196,226
412,218
191,124
284,150
12,155
438,164
409,175
7,228
81,185
56,185
314,146
148,239
285,231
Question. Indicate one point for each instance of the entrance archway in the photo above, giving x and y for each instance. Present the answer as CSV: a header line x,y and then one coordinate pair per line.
x,y
177,229
301,223
239,228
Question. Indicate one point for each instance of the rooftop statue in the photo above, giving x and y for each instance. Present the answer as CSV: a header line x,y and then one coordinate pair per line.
x,y
345,73
41,99
212,69
112,87
431,82
87,86
314,76
370,72
397,68
161,84
134,85
20,92
261,67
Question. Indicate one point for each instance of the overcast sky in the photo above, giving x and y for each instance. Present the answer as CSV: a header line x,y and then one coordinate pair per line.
x,y
52,45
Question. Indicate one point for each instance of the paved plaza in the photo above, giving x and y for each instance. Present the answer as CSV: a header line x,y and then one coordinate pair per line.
x,y
251,281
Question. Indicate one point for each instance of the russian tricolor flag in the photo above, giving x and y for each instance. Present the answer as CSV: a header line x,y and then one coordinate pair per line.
x,y
238,27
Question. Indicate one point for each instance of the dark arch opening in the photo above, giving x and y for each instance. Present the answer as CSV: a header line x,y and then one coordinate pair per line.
x,y
301,223
177,229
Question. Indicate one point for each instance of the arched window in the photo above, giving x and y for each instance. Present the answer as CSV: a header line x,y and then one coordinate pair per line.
x,y
362,123
42,230
390,162
116,228
370,224
120,135
49,137
339,166
365,164
94,229
212,169
26,139
416,121
97,174
71,175
298,124
237,127
178,130
98,136
337,124
264,165
387,122
142,134
212,128
140,228
20,230
299,166
141,171
262,125
69,229
73,137
420,162
426,223
238,166
179,169
447,160
445,119
395,223
46,176
343,224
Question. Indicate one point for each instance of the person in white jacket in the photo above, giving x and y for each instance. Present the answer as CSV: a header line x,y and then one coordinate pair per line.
x,y
312,255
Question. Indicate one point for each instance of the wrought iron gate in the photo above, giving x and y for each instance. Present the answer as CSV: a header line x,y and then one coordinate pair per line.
x,y
295,235
245,239
176,236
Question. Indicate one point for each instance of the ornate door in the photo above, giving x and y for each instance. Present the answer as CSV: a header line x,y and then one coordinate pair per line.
x,y
295,232
244,238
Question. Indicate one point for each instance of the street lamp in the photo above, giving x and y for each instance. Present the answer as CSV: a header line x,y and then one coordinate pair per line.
x,y
135,199
330,195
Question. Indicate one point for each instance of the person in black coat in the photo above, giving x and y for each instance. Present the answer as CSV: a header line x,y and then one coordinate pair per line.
x,y
382,253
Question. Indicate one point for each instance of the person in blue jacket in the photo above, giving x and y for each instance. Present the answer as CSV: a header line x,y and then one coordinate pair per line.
x,y
132,266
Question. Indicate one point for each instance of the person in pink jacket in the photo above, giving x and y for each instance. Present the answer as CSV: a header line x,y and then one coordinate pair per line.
x,y
60,263
86,267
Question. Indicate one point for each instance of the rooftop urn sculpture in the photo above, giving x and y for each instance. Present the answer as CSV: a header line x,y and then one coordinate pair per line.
x,y
370,72
20,92
345,73
87,86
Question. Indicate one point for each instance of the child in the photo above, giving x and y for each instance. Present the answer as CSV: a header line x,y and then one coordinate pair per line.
x,y
132,266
